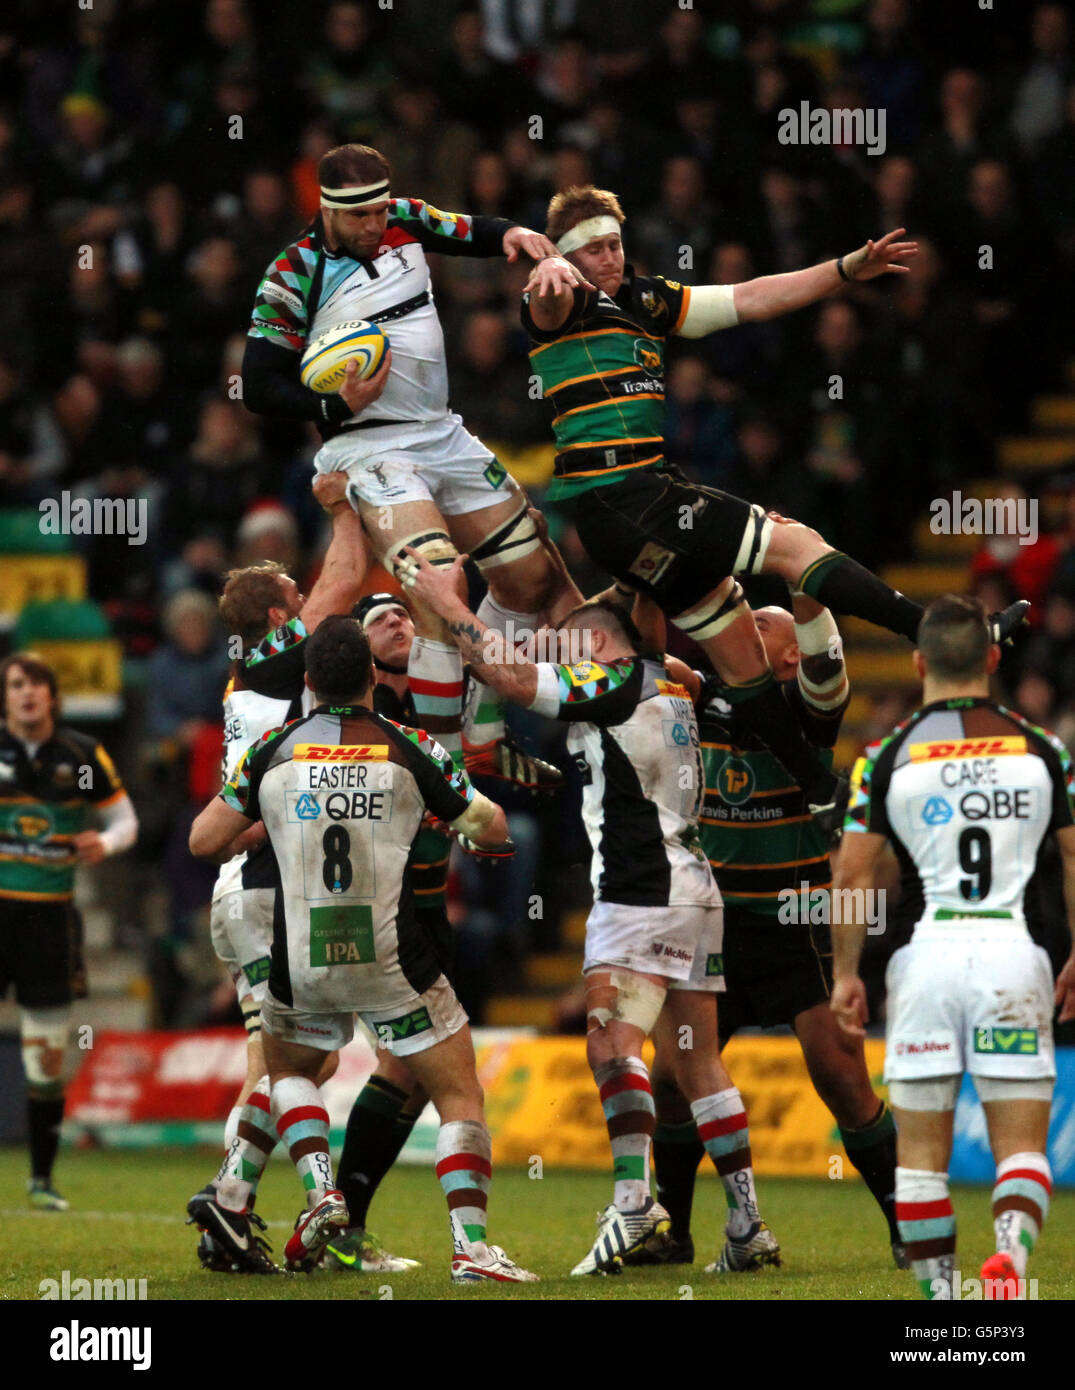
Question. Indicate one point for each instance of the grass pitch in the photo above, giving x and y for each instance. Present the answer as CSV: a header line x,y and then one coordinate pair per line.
x,y
127,1221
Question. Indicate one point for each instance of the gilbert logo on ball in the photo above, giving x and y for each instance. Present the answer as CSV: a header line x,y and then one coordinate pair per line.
x,y
324,362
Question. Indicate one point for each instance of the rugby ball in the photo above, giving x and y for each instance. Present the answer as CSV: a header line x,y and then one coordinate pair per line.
x,y
325,359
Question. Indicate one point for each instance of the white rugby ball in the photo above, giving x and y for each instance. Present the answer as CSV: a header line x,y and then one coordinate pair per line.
x,y
325,359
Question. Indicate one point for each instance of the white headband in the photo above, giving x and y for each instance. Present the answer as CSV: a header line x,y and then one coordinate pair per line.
x,y
357,196
583,232
378,610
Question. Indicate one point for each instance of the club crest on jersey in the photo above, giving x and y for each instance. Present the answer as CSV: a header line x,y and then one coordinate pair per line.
x,y
735,781
648,355
937,811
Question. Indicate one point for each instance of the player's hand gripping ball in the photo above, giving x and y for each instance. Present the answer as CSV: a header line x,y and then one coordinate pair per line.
x,y
324,362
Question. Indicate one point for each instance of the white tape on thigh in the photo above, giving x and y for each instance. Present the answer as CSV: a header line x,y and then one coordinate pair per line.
x,y
722,608
510,541
43,1031
992,1088
757,534
638,1001
938,1093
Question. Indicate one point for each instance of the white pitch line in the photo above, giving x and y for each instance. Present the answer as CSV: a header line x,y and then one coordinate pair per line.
x,y
8,1213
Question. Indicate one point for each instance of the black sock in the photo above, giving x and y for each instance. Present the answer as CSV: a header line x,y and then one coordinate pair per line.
x,y
677,1152
45,1118
845,586
764,712
872,1149
376,1131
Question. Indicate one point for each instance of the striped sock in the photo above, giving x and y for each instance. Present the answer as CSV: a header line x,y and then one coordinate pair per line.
x,y
627,1100
254,1141
464,1159
302,1123
927,1228
1020,1205
435,679
722,1127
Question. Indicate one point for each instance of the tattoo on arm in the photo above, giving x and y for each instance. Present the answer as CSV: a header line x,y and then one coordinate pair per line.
x,y
471,645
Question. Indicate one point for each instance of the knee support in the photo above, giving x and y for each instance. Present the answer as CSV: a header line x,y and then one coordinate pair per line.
x,y
936,1093
992,1088
433,545
512,540
709,618
627,998
43,1035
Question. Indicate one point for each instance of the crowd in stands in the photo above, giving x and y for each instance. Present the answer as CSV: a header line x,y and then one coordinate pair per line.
x,y
154,157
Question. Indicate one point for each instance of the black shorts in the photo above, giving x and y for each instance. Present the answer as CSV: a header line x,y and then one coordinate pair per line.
x,y
674,539
41,952
772,971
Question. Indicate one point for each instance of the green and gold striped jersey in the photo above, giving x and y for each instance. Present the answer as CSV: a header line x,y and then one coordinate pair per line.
x,y
602,372
756,828
45,801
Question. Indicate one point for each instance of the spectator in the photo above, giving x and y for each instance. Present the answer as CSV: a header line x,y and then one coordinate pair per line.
x,y
345,80
1038,108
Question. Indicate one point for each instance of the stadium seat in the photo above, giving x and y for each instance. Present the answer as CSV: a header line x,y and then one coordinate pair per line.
x,y
75,637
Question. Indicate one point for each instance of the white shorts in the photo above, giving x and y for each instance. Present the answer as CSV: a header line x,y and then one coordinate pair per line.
x,y
424,1020
240,924
684,943
974,997
446,466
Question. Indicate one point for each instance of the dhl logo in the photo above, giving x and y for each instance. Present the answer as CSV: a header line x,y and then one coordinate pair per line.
x,y
967,748
678,692
340,752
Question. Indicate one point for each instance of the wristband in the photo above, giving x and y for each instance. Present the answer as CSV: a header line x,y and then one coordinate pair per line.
x,y
841,271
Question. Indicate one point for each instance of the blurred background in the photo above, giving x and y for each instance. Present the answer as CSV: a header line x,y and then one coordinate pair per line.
x,y
154,157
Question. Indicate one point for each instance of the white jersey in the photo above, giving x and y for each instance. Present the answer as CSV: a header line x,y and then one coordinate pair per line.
x,y
342,793
966,791
634,737
266,689
309,290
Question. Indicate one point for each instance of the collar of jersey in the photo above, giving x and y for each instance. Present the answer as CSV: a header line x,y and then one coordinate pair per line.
x,y
341,709
962,701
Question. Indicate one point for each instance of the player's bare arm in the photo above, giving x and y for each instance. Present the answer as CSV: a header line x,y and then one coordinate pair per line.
x,y
821,673
486,652
1065,981
347,558
857,867
214,830
770,296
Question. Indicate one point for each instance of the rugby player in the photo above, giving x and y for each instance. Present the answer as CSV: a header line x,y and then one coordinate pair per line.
x,y
767,855
415,474
387,1107
54,781
653,937
599,353
965,791
261,606
343,793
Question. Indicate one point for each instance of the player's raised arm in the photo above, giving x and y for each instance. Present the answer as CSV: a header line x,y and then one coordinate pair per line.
x,y
347,558
713,307
821,672
491,658
552,293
